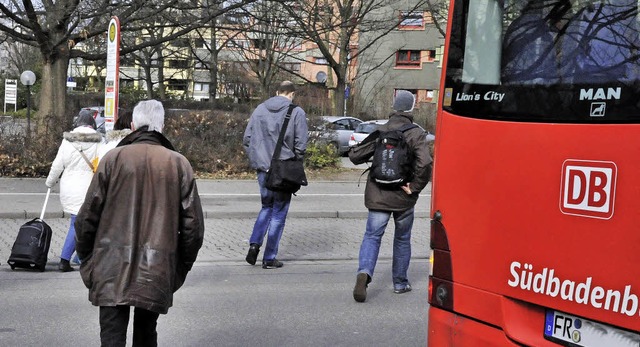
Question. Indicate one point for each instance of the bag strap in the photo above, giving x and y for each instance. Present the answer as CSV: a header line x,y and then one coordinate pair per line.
x,y
86,159
407,127
276,152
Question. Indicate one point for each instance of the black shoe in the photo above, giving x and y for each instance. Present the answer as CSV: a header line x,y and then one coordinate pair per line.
x,y
64,266
407,288
360,290
272,264
252,255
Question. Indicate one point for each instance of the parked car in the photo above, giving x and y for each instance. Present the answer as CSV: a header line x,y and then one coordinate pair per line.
x,y
336,131
367,127
364,129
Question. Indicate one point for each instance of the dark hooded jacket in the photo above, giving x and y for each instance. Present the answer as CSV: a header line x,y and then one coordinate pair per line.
x,y
141,226
383,199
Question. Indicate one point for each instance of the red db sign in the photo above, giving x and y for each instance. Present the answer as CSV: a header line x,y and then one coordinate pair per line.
x,y
588,188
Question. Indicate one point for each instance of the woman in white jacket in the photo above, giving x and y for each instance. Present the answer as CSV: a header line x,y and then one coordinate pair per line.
x,y
75,161
121,129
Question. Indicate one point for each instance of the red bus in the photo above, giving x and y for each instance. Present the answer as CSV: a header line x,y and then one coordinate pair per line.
x,y
535,230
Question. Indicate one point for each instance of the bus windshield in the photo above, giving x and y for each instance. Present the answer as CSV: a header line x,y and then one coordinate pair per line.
x,y
570,61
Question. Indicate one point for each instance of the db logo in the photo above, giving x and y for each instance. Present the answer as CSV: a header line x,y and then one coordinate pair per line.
x,y
588,188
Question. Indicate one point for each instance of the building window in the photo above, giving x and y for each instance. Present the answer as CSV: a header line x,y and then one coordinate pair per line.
x,y
430,55
293,67
180,42
321,61
408,58
411,20
201,87
201,65
174,84
179,64
429,95
262,43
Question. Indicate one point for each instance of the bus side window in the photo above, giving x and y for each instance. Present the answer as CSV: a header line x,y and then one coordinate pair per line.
x,y
601,44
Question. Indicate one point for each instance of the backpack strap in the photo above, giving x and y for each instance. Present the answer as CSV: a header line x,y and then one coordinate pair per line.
x,y
407,127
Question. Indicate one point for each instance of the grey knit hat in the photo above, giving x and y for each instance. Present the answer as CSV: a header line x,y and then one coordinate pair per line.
x,y
404,101
85,118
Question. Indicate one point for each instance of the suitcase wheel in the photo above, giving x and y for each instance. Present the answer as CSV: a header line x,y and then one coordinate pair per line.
x,y
13,267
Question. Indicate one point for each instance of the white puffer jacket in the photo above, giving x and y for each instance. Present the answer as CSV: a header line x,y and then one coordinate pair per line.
x,y
76,173
112,138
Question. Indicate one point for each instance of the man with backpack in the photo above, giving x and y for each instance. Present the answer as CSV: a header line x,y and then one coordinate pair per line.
x,y
400,169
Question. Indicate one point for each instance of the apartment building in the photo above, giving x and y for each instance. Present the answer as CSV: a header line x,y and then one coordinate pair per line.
x,y
245,54
408,57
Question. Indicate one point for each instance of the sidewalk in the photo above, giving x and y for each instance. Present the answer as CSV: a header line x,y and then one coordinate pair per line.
x,y
226,239
326,220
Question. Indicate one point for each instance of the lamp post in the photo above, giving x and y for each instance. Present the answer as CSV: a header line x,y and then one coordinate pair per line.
x,y
28,78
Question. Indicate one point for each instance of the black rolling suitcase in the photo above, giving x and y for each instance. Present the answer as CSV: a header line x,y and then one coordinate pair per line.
x,y
31,248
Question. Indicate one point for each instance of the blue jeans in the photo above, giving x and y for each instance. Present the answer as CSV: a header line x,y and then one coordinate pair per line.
x,y
271,218
376,225
70,242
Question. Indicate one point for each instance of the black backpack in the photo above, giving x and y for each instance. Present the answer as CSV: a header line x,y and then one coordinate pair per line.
x,y
392,161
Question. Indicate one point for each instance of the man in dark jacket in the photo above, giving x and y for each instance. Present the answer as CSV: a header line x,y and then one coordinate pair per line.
x,y
139,230
259,141
383,202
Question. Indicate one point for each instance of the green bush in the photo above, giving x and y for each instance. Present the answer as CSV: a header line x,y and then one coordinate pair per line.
x,y
211,140
321,155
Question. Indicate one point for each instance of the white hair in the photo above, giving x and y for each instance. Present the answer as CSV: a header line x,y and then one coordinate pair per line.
x,y
149,113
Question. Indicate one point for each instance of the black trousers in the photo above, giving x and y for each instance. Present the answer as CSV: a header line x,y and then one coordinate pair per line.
x,y
113,326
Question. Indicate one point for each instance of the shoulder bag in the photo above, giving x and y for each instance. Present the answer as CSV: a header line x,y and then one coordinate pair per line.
x,y
285,175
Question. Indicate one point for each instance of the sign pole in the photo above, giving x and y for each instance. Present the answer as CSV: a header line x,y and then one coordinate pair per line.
x,y
112,80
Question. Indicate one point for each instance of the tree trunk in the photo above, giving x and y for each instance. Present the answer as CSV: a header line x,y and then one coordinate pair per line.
x,y
148,78
161,87
213,67
339,99
53,95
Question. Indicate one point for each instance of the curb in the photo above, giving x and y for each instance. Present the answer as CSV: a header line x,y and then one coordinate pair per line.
x,y
219,214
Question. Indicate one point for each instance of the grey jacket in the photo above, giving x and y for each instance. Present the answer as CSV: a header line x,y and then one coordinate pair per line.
x,y
264,126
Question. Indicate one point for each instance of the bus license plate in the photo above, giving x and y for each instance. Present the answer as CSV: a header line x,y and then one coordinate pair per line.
x,y
562,327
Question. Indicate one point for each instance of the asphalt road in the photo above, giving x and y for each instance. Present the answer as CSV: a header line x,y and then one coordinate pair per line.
x,y
226,302
230,304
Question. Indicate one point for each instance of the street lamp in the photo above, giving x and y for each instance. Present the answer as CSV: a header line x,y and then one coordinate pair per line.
x,y
28,78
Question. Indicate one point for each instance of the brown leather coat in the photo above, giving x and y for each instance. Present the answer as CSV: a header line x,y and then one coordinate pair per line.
x,y
377,198
141,226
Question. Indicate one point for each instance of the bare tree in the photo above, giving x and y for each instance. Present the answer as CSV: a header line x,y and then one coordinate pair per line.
x,y
335,26
55,28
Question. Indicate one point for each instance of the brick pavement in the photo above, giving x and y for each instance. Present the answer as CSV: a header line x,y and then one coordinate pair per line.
x,y
226,238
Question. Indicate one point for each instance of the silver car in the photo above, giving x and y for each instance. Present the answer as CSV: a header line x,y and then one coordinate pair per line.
x,y
336,131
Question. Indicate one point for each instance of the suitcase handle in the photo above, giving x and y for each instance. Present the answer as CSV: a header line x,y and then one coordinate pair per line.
x,y
46,199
